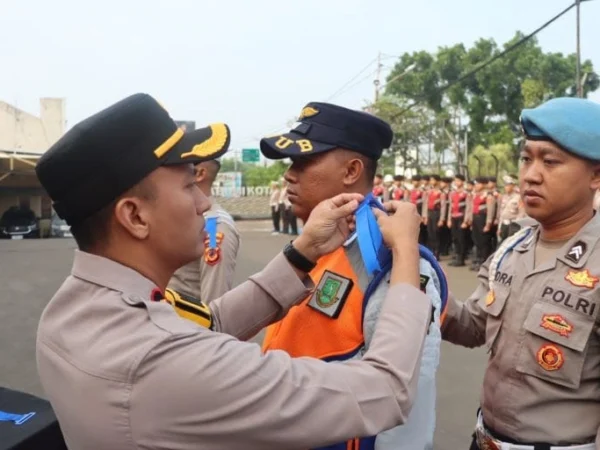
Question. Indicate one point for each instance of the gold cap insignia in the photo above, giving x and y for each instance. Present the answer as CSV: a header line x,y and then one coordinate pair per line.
x,y
213,144
308,112
582,279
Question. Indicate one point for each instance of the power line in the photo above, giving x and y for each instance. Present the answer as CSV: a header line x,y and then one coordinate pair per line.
x,y
344,88
492,59
336,93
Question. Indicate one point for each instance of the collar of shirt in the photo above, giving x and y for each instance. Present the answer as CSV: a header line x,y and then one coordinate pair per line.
x,y
111,274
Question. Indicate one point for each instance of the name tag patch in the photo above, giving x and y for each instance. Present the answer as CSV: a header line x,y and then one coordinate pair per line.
x,y
331,293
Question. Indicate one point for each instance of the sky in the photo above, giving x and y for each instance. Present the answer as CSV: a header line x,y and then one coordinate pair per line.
x,y
250,64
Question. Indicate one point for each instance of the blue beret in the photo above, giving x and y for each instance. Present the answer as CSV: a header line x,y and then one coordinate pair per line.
x,y
572,123
324,126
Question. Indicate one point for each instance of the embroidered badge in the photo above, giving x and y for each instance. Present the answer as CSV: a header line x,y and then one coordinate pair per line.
x,y
550,357
423,280
213,255
582,278
308,112
557,324
490,298
576,252
331,293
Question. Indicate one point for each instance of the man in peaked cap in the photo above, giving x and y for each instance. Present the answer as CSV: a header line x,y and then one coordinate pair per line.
x,y
537,303
335,150
123,370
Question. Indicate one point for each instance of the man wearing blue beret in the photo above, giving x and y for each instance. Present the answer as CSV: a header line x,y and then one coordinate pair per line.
x,y
537,303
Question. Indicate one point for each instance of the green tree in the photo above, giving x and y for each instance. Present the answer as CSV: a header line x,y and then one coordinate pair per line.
x,y
490,102
504,154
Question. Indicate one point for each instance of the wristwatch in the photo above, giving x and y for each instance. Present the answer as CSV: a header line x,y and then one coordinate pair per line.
x,y
297,259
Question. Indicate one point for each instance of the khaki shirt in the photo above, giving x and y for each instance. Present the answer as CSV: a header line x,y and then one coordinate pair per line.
x,y
509,208
208,278
540,326
124,372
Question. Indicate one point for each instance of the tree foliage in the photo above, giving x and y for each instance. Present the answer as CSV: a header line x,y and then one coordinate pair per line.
x,y
254,174
487,104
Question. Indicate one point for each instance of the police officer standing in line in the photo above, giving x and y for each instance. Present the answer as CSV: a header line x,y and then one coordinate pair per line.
x,y
445,235
537,304
482,213
508,213
210,276
492,188
458,221
416,197
434,212
398,190
123,371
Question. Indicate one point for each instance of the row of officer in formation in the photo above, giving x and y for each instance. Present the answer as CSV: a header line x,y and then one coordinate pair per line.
x,y
123,370
459,214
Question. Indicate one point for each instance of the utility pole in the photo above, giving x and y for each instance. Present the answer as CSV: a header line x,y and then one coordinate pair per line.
x,y
578,70
377,80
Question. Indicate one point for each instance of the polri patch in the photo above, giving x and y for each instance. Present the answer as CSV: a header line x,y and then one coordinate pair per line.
x,y
557,324
582,278
550,357
331,293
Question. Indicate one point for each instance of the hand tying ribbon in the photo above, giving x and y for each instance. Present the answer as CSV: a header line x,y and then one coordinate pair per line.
x,y
376,257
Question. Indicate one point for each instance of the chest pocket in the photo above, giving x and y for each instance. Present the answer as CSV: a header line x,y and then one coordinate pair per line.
x,y
494,304
555,344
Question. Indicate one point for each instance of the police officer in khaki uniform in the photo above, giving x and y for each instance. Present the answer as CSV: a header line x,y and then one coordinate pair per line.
x,y
210,276
508,212
537,305
123,370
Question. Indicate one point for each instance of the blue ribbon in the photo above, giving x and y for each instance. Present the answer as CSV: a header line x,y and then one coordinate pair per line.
x,y
374,253
211,230
18,419
376,257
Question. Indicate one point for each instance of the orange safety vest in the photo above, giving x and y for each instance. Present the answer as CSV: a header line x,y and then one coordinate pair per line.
x,y
305,331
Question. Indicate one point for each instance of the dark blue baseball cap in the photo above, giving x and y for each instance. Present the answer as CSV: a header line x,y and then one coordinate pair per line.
x,y
323,127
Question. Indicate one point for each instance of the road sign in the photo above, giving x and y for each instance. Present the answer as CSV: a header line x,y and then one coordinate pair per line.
x,y
250,155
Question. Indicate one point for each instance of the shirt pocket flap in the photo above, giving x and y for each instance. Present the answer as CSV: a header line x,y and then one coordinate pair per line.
x,y
567,328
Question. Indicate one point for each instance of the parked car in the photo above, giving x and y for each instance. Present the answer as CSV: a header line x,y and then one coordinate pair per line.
x,y
19,223
59,227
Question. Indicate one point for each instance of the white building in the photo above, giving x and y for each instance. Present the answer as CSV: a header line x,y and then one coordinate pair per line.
x,y
24,137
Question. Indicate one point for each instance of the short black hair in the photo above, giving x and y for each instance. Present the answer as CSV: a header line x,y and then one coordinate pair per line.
x,y
459,177
398,177
435,177
370,166
492,180
94,231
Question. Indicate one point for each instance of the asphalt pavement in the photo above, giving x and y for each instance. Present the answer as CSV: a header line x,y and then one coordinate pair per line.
x,y
32,270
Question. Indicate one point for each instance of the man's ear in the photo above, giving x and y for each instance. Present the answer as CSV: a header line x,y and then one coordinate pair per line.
x,y
200,172
354,171
133,215
595,184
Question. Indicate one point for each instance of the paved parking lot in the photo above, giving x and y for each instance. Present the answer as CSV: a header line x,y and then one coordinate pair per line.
x,y
32,270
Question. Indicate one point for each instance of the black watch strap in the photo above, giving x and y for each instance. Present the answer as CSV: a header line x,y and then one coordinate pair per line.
x,y
297,259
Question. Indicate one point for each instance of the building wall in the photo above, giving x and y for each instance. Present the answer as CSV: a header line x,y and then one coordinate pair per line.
x,y
24,132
